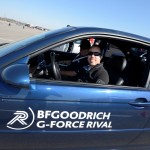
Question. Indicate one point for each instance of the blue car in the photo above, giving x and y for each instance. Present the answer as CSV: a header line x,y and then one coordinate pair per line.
x,y
41,110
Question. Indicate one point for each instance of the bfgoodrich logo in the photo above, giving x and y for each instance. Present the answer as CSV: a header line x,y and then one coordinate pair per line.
x,y
21,120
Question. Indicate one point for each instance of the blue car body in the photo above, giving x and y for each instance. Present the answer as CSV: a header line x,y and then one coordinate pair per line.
x,y
49,114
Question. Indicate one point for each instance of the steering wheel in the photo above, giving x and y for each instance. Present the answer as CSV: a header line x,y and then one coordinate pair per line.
x,y
55,67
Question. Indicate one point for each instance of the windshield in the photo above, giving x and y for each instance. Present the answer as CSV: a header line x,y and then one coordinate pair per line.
x,y
4,50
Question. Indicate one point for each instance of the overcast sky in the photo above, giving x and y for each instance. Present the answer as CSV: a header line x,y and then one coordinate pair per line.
x,y
126,15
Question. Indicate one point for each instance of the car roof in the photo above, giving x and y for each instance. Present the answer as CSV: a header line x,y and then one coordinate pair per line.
x,y
112,32
32,44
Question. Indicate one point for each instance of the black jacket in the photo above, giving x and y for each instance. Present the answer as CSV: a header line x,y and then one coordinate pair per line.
x,y
97,74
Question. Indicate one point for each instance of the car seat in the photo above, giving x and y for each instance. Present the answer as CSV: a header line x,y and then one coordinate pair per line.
x,y
115,67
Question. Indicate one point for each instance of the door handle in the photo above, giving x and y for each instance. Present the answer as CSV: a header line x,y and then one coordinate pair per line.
x,y
140,102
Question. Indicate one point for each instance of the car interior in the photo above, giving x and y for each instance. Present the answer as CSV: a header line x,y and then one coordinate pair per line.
x,y
125,61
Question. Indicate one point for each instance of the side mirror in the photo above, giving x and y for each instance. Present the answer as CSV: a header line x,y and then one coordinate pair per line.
x,y
17,75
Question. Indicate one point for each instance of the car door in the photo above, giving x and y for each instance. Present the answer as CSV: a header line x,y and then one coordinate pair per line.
x,y
107,117
55,114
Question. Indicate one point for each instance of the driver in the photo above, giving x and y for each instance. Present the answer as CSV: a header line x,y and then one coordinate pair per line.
x,y
94,72
78,62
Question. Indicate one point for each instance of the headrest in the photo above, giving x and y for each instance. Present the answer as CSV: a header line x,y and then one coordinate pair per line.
x,y
117,63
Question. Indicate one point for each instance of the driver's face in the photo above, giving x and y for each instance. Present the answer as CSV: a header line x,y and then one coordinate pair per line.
x,y
94,59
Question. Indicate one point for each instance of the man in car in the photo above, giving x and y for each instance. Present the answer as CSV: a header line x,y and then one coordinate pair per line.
x,y
79,61
94,72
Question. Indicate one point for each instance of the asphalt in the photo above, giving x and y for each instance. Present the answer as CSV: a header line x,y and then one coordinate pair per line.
x,y
13,32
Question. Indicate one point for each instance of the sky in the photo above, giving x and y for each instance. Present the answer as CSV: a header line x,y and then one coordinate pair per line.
x,y
131,16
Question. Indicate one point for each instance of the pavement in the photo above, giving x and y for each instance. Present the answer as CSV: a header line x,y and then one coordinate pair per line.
x,y
13,32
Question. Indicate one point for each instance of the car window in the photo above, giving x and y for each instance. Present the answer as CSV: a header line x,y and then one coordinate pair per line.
x,y
139,52
126,63
61,48
76,46
71,47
